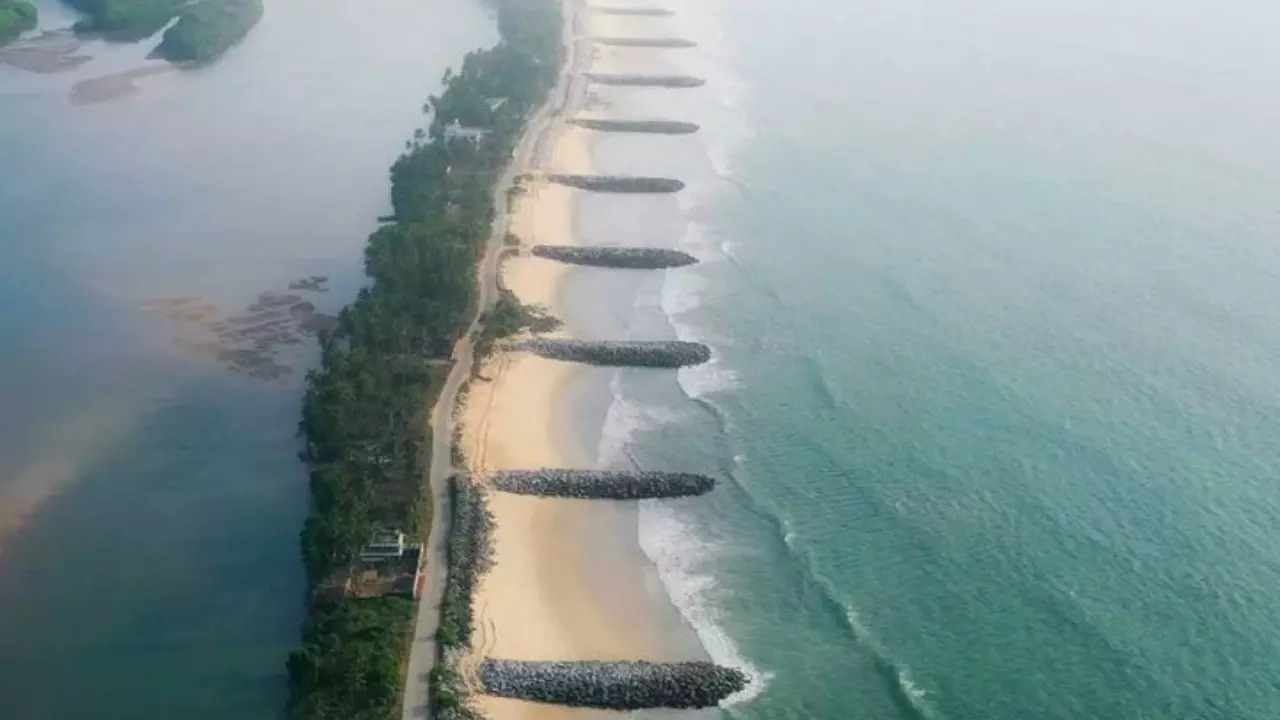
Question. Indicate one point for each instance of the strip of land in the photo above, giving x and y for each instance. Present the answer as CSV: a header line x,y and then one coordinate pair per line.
x,y
425,652
405,341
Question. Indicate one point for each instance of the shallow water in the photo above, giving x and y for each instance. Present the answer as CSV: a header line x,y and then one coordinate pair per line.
x,y
150,497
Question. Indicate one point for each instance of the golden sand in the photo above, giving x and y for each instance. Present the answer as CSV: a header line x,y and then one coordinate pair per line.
x,y
539,602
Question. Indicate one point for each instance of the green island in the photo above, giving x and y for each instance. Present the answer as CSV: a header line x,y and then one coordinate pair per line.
x,y
16,17
204,30
365,416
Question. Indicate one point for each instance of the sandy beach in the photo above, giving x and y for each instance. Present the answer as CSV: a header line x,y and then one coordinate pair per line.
x,y
544,600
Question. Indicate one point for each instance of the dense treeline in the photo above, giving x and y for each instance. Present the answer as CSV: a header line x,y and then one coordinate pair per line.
x,y
349,664
16,17
365,411
205,28
125,20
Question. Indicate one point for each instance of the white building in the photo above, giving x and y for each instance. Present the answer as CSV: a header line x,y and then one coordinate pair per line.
x,y
383,545
455,131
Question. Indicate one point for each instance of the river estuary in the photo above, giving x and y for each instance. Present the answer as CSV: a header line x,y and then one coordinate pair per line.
x,y
169,241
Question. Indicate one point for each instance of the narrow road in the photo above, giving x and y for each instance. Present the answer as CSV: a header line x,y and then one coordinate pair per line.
x,y
530,152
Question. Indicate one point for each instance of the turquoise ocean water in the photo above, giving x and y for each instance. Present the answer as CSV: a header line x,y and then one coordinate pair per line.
x,y
991,287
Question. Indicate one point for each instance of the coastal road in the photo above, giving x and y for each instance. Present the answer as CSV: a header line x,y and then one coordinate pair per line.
x,y
530,152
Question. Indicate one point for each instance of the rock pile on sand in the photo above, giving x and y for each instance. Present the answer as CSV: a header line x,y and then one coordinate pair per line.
x,y
631,685
601,484
663,353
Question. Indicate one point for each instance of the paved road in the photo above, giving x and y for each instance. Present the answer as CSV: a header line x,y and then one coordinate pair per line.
x,y
532,151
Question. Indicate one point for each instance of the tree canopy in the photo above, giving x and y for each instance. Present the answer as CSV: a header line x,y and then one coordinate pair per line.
x,y
16,17
366,407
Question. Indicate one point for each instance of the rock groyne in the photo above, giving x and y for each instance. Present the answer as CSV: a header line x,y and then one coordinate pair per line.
x,y
602,484
666,81
658,127
653,42
615,10
632,258
635,353
635,685
618,183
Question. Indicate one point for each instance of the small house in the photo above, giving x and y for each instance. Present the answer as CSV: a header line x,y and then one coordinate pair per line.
x,y
455,131
383,545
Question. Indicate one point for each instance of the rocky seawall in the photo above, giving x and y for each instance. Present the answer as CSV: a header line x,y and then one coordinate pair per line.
x,y
658,127
602,484
631,258
630,353
632,685
667,81
470,556
654,42
618,183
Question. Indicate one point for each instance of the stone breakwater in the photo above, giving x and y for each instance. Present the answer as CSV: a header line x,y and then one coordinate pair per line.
x,y
667,81
658,127
618,183
633,685
632,258
653,42
470,556
602,484
634,353
613,10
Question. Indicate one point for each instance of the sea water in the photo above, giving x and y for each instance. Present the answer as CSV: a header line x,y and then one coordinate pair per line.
x,y
150,496
996,387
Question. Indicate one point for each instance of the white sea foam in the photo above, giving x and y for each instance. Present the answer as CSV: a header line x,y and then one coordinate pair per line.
x,y
917,696
683,292
682,560
725,124
622,421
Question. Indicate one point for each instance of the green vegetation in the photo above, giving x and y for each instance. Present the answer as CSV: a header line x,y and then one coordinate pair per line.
x,y
470,551
508,317
16,17
349,664
366,409
125,20
205,28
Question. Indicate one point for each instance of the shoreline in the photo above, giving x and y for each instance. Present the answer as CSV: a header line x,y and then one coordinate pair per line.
x,y
570,580
377,413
